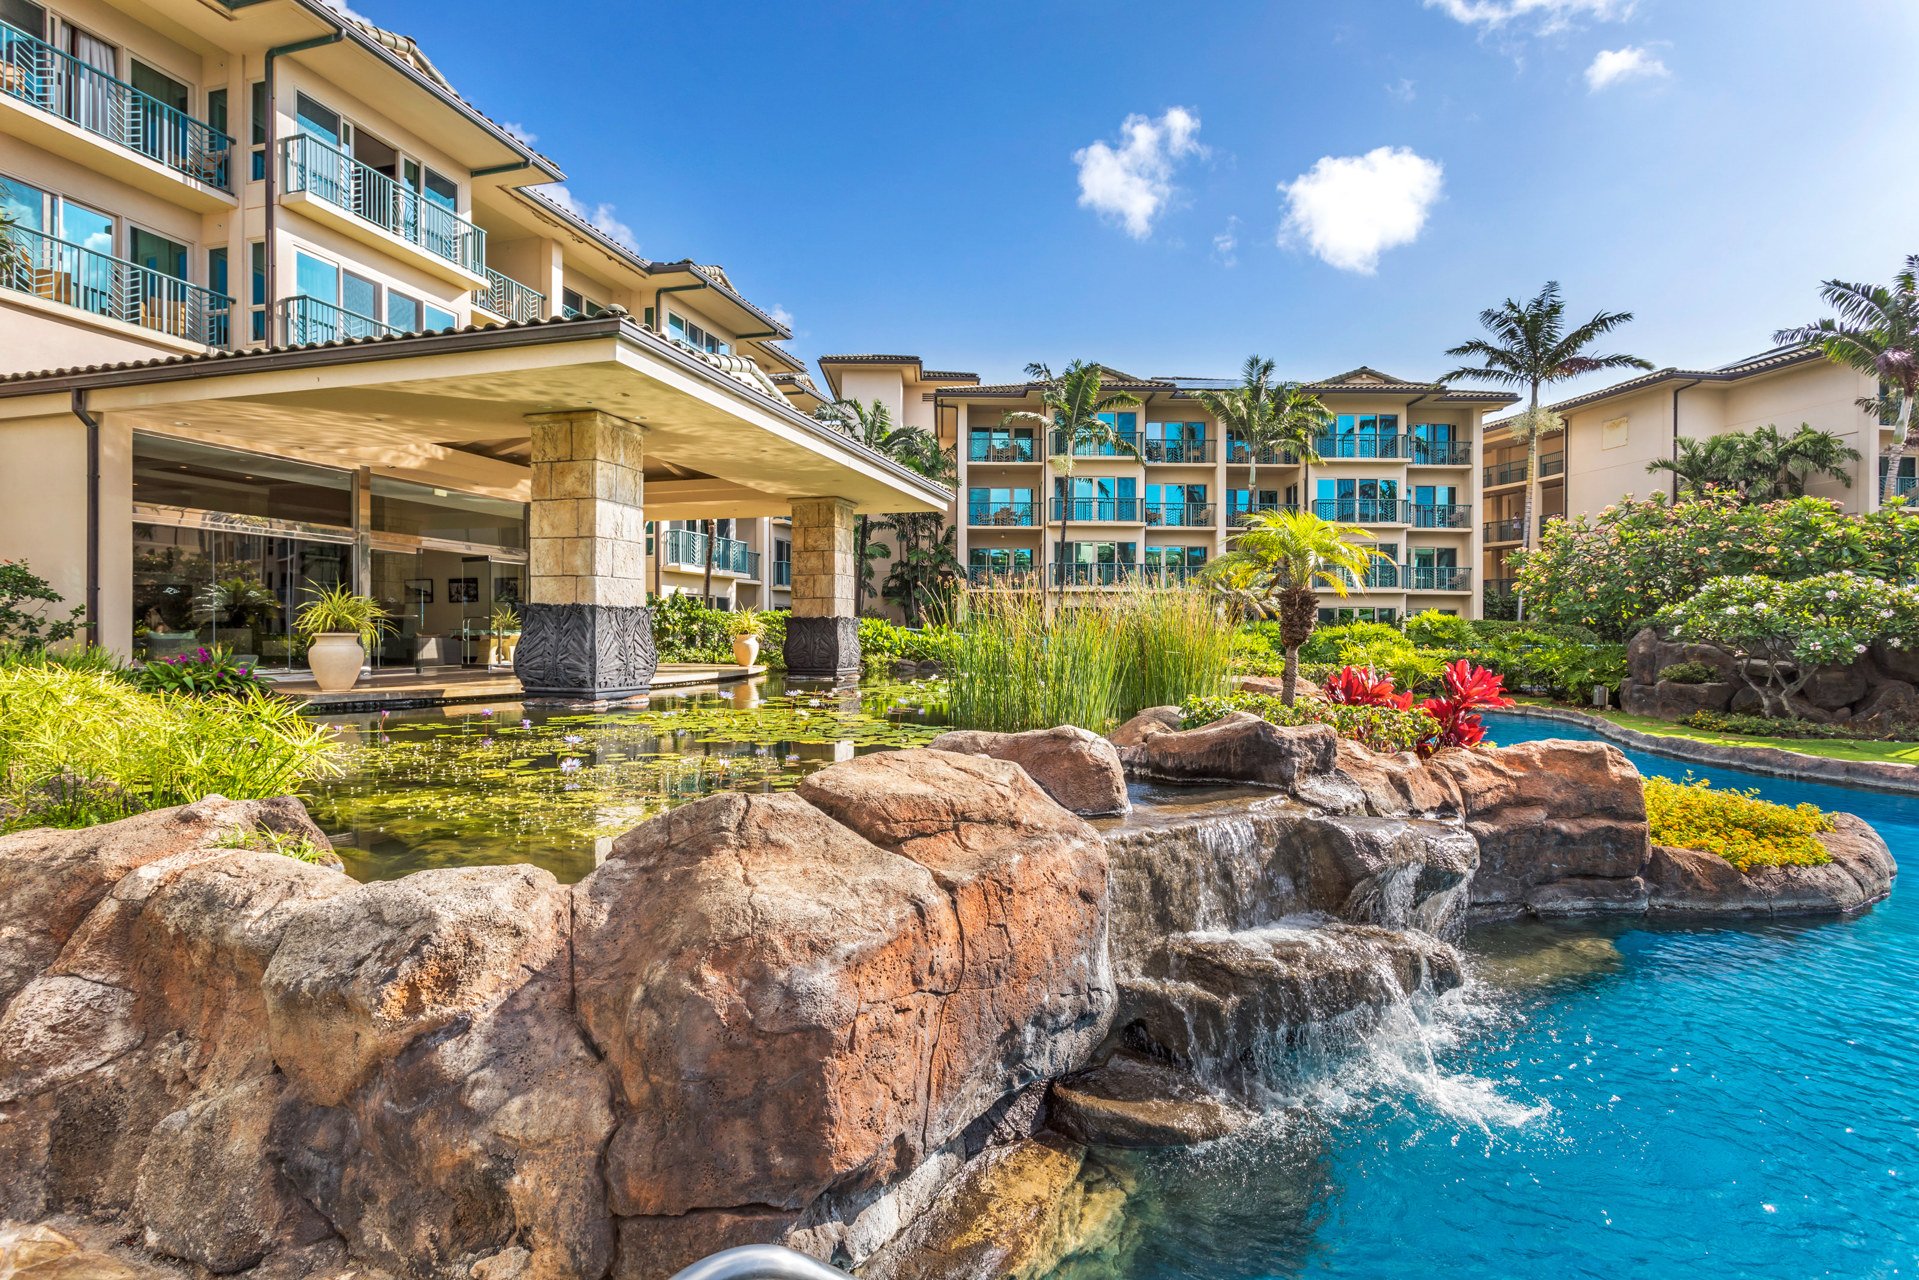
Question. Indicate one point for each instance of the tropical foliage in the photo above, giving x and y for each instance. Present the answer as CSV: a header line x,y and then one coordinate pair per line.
x,y
1746,831
1465,690
871,424
337,609
1382,728
1264,416
29,618
1071,407
1762,465
1542,658
203,673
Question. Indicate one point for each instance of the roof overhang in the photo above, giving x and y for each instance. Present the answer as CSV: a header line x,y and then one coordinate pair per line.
x,y
714,446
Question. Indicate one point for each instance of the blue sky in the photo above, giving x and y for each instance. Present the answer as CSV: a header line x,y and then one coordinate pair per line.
x,y
1169,187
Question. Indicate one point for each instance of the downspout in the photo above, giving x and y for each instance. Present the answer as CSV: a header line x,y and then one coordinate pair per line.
x,y
659,302
92,425
270,168
1675,435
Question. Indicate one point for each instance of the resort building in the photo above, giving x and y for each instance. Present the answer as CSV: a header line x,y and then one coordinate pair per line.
x,y
281,310
1400,459
1612,434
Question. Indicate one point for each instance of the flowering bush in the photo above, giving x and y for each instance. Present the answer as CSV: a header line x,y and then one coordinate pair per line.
x,y
1468,689
1783,632
204,673
1615,571
1361,687
1737,825
1380,728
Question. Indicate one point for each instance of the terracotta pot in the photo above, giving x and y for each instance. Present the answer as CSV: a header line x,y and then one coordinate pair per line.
x,y
746,650
335,658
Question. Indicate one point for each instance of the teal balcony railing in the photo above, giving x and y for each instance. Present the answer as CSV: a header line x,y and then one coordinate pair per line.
x,y
509,299
89,280
1505,473
1021,513
1442,515
1437,577
1179,451
782,573
1094,575
34,72
304,320
686,549
1239,454
983,448
1180,515
1001,575
1382,447
1906,484
1364,510
1121,446
1441,453
1109,510
326,173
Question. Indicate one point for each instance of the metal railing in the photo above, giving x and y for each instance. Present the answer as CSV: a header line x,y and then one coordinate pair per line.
x,y
1380,575
993,575
1110,510
1019,449
327,173
1442,453
1181,451
1437,577
1905,484
1239,455
1501,586
1508,530
1551,464
1505,473
1364,510
1121,446
76,276
686,549
509,299
1181,515
34,72
1019,514
304,319
782,573
1442,515
1380,447
759,1262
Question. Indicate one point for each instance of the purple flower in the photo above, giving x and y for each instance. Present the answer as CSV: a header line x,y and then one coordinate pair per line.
x,y
486,742
572,738
526,724
569,765
486,713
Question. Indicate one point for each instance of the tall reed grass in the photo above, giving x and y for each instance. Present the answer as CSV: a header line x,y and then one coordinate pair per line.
x,y
1019,664
83,746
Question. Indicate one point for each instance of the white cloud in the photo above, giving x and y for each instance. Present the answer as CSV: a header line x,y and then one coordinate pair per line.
x,y
520,131
1350,209
1133,182
600,216
1226,243
1630,63
1543,16
782,317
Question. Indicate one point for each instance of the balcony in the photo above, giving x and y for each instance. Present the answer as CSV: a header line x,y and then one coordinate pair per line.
x,y
1505,473
1004,576
333,187
103,285
1364,510
1181,515
1020,449
686,549
1093,575
149,143
1442,515
510,300
1123,446
1904,486
1436,577
1551,464
1236,513
1442,453
783,573
1364,448
1003,515
1508,530
1179,451
304,320
1099,510
1501,586
1380,575
1240,455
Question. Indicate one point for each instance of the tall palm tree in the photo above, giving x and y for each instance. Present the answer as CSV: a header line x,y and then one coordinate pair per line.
x,y
1531,347
1070,407
870,424
1278,565
1877,333
1281,417
928,567
1804,455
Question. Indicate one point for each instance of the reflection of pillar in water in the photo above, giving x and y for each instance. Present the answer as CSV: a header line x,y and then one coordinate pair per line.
x,y
842,751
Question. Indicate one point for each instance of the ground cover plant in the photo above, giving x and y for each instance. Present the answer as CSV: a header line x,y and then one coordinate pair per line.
x,y
1561,661
1746,831
203,673
1381,728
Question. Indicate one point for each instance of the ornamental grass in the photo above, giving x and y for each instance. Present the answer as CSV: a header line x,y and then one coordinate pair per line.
x,y
1737,825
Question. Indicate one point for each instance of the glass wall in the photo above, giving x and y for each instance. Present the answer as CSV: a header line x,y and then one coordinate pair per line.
x,y
211,586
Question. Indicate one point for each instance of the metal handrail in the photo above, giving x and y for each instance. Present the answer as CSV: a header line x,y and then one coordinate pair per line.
x,y
1511,529
1364,510
55,81
1377,446
509,299
1441,453
1020,449
1122,446
759,1262
782,573
1179,451
1015,514
1180,515
1442,515
1100,510
686,548
61,271
1240,454
327,173
305,319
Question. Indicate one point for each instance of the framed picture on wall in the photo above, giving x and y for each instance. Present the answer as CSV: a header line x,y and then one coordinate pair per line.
x,y
506,591
419,591
462,590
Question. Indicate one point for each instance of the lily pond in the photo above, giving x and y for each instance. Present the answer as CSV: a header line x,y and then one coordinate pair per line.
x,y
492,783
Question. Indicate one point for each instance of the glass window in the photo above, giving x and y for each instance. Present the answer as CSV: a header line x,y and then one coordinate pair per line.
x,y
317,121
217,109
257,128
441,190
157,253
402,312
25,205
574,303
204,477
24,16
680,329
88,228
400,506
257,269
360,295
436,318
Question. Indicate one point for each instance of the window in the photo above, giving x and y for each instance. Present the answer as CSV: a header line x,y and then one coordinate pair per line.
x,y
217,109
26,205
680,329
435,318
400,506
203,477
988,505
999,444
257,269
402,312
440,190
1613,434
25,16
257,128
574,304
317,121
999,560
331,303
217,281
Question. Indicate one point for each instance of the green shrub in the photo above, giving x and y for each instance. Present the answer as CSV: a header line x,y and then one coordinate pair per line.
x,y
883,644
773,639
1380,728
1435,630
29,618
86,658
1737,825
1768,727
80,747
684,630
1327,643
1688,673
204,673
1487,629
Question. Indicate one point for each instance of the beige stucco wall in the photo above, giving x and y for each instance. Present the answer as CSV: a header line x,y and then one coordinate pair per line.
x,y
43,513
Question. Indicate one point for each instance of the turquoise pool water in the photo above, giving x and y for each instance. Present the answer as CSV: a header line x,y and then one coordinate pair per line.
x,y
1607,1102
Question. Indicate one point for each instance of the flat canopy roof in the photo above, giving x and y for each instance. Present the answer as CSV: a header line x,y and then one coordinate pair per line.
x,y
715,446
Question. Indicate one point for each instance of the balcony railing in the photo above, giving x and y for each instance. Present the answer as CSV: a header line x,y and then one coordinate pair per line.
x,y
1182,451
100,283
1501,586
1380,575
782,573
1442,515
1181,515
1122,446
1239,455
1442,453
1436,577
1505,473
1236,513
997,575
509,299
1122,574
1364,510
1380,447
686,549
34,72
1509,530
1905,485
1001,514
304,320
1551,464
1109,510
1020,449
326,173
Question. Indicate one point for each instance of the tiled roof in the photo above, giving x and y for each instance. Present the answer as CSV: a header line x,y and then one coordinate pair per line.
x,y
1764,362
869,360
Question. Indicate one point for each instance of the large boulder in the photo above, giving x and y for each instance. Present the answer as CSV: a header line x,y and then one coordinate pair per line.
x,y
1135,1101
1673,700
1399,784
1836,688
1079,769
1240,747
1692,882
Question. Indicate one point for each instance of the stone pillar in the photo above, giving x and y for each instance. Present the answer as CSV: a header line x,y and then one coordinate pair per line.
x,y
585,631
823,634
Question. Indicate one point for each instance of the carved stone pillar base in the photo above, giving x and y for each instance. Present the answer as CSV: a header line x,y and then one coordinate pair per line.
x,y
822,648
585,652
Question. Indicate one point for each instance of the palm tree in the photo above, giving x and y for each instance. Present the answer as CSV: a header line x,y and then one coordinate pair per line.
x,y
1761,465
1071,405
14,259
870,424
1699,465
1532,348
1804,455
1279,563
1280,417
928,568
1877,333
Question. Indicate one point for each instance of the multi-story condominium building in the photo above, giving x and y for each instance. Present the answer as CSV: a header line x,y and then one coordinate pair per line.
x,y
281,310
1400,459
1613,433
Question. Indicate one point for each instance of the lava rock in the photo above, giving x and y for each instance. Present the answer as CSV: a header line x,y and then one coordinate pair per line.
x,y
1240,747
1133,1101
1080,770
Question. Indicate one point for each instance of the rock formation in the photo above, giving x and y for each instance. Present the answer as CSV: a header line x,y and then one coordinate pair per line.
x,y
1878,693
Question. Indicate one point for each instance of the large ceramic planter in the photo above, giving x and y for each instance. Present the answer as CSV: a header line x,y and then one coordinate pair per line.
x,y
335,658
499,649
746,650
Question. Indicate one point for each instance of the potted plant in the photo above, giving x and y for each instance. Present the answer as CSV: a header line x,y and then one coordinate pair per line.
x,y
745,627
505,626
340,627
241,609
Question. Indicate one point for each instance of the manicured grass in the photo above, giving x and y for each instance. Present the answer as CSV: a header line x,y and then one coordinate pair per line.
x,y
1830,748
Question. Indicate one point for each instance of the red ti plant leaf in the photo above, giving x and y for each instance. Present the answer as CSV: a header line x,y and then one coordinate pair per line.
x,y
1361,687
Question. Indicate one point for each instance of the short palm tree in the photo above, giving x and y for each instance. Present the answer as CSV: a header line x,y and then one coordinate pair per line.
x,y
1071,405
1761,465
1280,417
1531,347
1700,465
871,424
1278,566
1876,332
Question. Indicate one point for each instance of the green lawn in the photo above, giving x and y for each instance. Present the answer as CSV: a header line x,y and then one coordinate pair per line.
x,y
1831,748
